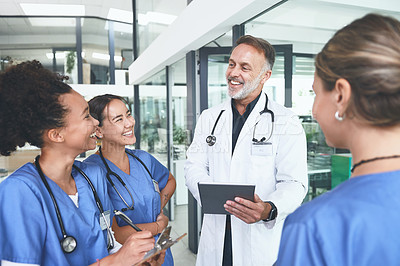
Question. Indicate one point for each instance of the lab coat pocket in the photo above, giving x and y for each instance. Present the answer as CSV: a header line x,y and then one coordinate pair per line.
x,y
265,243
261,171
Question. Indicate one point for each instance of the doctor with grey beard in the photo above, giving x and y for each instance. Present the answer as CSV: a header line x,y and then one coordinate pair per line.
x,y
253,140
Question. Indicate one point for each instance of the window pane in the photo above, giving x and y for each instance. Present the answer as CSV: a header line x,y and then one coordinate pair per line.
x,y
154,17
14,44
153,117
95,54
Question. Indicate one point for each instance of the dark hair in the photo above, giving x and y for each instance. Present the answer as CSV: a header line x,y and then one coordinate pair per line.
x,y
99,103
261,45
29,105
367,54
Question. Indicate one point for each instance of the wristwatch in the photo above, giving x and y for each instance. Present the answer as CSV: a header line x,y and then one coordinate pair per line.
x,y
273,213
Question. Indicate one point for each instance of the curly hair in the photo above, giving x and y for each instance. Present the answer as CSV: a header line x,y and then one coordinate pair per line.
x,y
367,54
29,105
99,103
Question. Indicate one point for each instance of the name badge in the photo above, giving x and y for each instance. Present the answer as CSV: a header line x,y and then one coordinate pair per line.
x,y
156,187
105,220
261,148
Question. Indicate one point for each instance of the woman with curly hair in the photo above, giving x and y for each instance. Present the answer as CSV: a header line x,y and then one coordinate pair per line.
x,y
54,211
357,104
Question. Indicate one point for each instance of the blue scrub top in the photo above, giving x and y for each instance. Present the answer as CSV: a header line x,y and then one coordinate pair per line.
x,y
357,223
147,201
29,229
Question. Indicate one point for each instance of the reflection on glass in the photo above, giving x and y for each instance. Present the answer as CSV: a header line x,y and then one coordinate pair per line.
x,y
95,52
153,117
318,157
303,78
123,45
217,87
25,41
154,17
275,86
179,133
225,40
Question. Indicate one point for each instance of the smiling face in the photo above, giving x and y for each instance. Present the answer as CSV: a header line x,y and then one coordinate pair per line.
x,y
118,125
246,73
79,132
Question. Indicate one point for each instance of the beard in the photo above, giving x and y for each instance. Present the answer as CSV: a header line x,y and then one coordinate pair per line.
x,y
248,87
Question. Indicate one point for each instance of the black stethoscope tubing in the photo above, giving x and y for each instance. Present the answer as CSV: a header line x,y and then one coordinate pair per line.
x,y
69,243
211,139
110,172
265,110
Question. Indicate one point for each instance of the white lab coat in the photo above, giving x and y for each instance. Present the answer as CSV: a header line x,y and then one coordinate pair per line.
x,y
280,178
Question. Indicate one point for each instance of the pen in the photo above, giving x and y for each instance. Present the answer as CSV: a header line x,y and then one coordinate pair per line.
x,y
127,220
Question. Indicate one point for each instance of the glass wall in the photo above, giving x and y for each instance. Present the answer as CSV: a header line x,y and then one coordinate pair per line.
x,y
217,87
153,116
95,55
307,25
275,86
123,45
47,40
153,17
179,132
53,42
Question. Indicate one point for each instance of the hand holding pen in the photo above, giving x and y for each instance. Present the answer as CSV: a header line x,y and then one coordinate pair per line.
x,y
127,220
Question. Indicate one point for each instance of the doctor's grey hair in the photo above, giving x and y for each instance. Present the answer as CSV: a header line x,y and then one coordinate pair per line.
x,y
260,45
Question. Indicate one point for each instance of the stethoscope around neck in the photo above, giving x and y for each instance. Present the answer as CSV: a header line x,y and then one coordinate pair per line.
x,y
68,242
211,139
110,172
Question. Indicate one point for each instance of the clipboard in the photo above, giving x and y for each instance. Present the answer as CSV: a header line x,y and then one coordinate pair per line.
x,y
214,195
163,242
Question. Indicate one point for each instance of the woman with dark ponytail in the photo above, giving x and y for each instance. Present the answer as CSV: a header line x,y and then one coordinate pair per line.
x,y
357,104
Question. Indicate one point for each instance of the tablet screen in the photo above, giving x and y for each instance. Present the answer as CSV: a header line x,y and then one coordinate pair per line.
x,y
214,195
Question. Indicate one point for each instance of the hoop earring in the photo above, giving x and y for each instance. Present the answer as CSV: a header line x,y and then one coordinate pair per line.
x,y
338,117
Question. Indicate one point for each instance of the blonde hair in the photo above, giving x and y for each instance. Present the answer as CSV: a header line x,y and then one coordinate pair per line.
x,y
367,54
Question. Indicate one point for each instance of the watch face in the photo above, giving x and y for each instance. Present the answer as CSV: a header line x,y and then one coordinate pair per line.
x,y
273,213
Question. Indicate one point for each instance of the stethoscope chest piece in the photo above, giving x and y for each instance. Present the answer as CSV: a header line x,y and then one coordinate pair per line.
x,y
211,139
68,244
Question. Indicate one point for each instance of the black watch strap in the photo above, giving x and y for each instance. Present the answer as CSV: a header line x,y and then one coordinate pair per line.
x,y
273,213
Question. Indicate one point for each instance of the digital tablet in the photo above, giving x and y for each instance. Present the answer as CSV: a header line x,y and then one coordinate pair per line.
x,y
213,196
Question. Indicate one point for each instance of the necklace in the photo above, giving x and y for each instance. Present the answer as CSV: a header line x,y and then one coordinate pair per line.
x,y
373,159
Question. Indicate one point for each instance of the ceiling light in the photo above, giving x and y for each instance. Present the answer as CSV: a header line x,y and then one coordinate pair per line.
x,y
58,55
53,22
52,10
155,17
143,19
106,57
61,55
120,15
